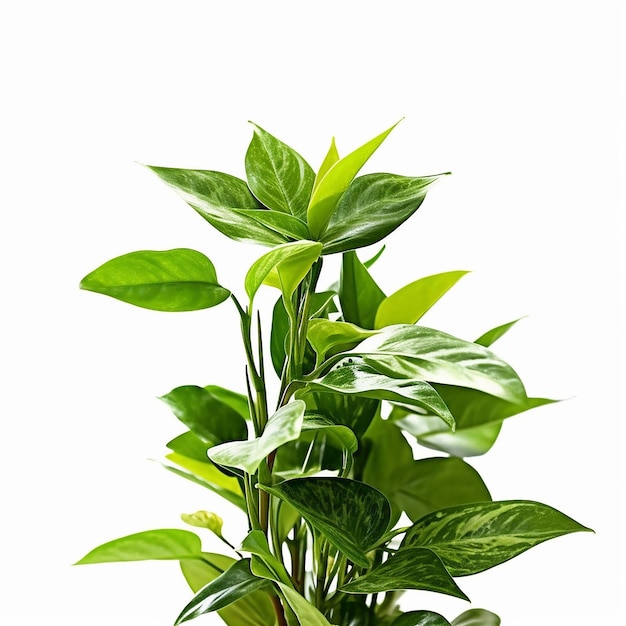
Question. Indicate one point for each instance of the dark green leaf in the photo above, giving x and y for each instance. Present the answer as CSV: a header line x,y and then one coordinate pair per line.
x,y
375,258
414,568
235,583
359,294
352,515
167,280
282,426
217,197
236,401
283,223
352,411
334,183
477,617
162,544
471,538
428,485
277,175
372,207
208,417
408,305
495,333
421,618
279,336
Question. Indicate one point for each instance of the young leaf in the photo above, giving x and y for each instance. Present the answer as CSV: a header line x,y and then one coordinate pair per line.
x,y
421,618
235,583
163,544
283,267
495,333
210,419
471,538
352,515
223,201
408,304
414,568
477,617
283,426
332,156
431,484
168,280
255,543
372,207
277,175
255,609
327,337
306,613
359,294
332,186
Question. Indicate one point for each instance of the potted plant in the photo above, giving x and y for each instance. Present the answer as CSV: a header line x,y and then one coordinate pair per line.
x,y
343,513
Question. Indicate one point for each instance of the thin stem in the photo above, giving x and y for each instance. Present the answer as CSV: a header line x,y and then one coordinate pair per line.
x,y
280,612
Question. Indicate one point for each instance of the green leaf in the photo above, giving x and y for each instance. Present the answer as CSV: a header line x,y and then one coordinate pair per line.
x,y
168,280
189,445
421,618
354,377
204,519
332,186
372,207
208,417
283,267
407,351
283,223
352,515
279,336
495,333
408,304
277,175
375,258
162,544
477,617
359,294
235,583
223,201
283,426
255,609
204,473
332,156
414,568
471,538
327,337
428,485
473,441
255,543
306,613
352,411
236,401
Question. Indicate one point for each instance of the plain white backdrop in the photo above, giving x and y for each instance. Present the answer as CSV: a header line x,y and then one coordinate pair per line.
x,y
520,100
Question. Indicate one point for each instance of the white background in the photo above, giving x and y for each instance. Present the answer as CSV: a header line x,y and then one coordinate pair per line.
x,y
520,100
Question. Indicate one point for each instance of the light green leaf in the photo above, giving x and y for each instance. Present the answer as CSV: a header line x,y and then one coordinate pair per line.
x,y
332,156
235,583
473,441
189,445
417,352
283,223
427,485
283,267
162,544
332,186
372,207
355,377
204,473
421,618
353,516
359,294
495,333
327,337
477,617
256,543
471,538
167,280
285,425
208,417
218,198
255,609
414,568
277,175
306,613
204,519
408,304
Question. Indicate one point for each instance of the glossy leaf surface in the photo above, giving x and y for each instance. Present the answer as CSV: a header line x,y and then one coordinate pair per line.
x,y
283,223
162,544
277,175
218,198
332,156
352,411
494,334
471,538
476,617
408,304
372,207
285,425
256,543
168,280
421,618
352,515
413,568
328,337
208,417
235,583
306,613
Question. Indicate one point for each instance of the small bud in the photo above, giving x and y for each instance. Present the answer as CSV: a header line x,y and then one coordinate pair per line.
x,y
204,519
